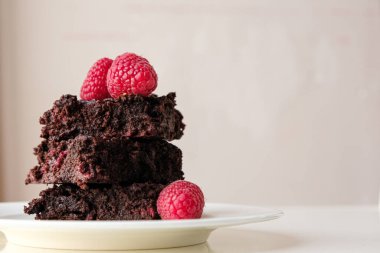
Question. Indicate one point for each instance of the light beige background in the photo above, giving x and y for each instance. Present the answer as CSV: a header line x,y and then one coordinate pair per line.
x,y
281,98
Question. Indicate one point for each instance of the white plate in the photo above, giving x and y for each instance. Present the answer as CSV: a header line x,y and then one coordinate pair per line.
x,y
22,229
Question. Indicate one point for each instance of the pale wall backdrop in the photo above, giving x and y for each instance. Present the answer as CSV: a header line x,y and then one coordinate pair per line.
x,y
281,98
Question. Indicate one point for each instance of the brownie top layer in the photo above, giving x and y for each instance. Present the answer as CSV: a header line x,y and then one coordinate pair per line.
x,y
127,116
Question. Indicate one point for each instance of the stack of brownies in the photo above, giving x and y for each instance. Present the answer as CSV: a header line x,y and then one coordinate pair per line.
x,y
106,159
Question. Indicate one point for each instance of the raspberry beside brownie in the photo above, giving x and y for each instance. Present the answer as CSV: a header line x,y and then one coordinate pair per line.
x,y
87,159
98,202
126,116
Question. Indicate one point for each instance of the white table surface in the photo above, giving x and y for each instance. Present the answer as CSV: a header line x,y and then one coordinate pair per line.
x,y
301,229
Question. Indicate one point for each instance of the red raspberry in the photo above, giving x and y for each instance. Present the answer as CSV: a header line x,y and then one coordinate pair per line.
x,y
131,74
95,86
180,200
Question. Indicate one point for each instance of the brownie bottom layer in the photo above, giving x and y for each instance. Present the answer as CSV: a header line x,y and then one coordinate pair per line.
x,y
97,202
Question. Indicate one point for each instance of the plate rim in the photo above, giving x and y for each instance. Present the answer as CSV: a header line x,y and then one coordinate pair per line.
x,y
203,223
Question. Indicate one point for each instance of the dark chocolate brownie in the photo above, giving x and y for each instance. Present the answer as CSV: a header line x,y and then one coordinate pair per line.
x,y
98,202
88,159
128,116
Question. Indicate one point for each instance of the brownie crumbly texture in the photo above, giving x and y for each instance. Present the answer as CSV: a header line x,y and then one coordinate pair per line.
x,y
98,202
87,159
126,116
